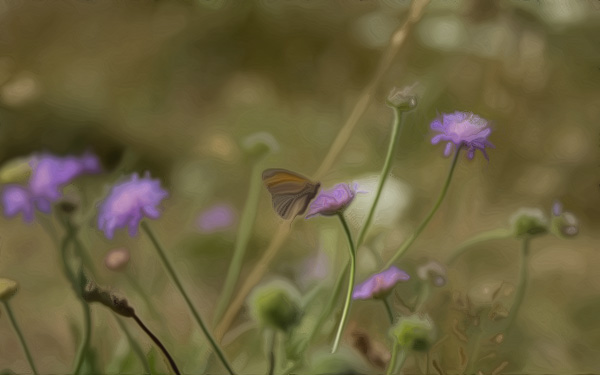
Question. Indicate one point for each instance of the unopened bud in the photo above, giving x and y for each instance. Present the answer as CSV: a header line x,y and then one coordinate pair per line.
x,y
117,259
403,99
8,288
414,332
529,222
276,304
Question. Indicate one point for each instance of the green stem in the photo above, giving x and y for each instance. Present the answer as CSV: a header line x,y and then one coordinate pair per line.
x,y
245,231
385,171
523,276
423,296
87,316
158,343
388,308
348,300
475,353
494,234
422,226
175,278
13,321
337,289
135,346
396,362
272,353
85,342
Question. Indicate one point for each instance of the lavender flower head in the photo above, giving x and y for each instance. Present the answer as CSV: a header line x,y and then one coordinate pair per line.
x,y
49,174
127,203
17,199
333,201
380,284
216,218
462,129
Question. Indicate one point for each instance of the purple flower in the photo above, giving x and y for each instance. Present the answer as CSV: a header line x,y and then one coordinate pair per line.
x,y
462,129
380,284
49,174
216,218
17,199
331,202
127,203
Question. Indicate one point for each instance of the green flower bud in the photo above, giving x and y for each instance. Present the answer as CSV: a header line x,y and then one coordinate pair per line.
x,y
276,305
344,361
529,222
260,144
8,288
414,332
403,99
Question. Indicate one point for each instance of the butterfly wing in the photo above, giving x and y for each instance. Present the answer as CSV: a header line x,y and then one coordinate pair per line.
x,y
291,192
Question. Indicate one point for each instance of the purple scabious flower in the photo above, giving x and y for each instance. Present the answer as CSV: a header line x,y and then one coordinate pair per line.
x,y
128,202
462,129
380,284
216,218
333,201
48,175
17,199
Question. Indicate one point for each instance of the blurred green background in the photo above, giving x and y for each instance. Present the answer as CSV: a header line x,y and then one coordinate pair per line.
x,y
176,87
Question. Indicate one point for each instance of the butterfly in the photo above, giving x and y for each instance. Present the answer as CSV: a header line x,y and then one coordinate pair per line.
x,y
291,192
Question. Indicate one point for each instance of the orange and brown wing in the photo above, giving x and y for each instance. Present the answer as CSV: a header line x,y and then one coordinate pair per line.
x,y
291,193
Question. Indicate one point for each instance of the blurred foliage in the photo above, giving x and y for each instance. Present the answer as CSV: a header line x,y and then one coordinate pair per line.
x,y
175,87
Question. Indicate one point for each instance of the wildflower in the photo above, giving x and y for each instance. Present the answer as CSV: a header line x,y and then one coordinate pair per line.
x,y
127,204
462,129
17,199
333,201
277,305
380,284
414,332
49,174
216,218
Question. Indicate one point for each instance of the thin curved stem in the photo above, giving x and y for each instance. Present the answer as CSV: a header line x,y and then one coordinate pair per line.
x,y
396,362
175,278
337,289
348,300
423,296
385,171
135,346
87,333
523,278
13,321
494,234
87,316
158,343
246,224
388,308
415,12
405,246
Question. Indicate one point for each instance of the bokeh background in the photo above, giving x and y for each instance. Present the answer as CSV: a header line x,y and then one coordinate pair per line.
x,y
175,88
